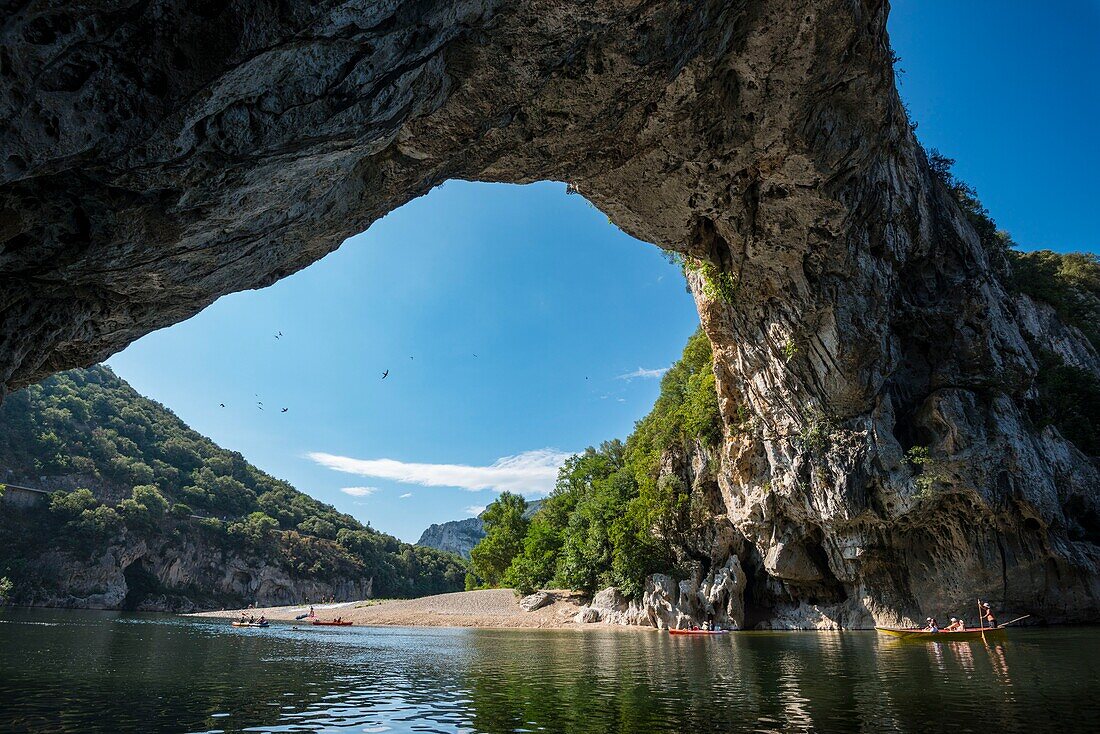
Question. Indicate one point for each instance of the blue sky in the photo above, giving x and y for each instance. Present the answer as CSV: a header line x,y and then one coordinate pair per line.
x,y
518,325
1011,90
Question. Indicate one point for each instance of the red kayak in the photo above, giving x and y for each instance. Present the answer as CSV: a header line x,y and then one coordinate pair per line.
x,y
333,623
697,632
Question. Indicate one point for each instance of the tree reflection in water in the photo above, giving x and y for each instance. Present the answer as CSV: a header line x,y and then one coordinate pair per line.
x,y
88,672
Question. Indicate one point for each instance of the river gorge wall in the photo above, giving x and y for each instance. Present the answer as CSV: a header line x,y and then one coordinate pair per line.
x,y
181,577
162,155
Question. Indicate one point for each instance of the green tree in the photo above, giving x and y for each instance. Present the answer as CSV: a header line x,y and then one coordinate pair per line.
x,y
256,528
69,505
6,587
505,528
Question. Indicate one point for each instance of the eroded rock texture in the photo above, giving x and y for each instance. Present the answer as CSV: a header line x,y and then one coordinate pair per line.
x,y
182,577
157,155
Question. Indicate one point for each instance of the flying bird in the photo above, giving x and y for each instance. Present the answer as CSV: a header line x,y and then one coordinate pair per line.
x,y
385,374
284,410
222,404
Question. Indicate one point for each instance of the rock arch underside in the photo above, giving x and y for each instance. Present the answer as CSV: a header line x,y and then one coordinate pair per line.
x,y
157,155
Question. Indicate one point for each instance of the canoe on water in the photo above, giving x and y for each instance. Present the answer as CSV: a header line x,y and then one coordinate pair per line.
x,y
697,632
333,623
251,624
970,633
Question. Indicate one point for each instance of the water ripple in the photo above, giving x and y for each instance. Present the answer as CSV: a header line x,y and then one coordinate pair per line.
x,y
109,673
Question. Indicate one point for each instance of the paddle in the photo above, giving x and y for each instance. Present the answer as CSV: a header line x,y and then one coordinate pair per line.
x,y
1016,620
981,619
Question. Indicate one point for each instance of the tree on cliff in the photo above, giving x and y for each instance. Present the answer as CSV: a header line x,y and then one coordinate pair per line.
x,y
613,518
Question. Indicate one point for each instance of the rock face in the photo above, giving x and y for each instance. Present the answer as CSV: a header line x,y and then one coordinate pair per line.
x,y
460,536
538,600
160,155
182,577
456,536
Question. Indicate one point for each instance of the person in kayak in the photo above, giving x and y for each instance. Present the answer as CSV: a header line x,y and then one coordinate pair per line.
x,y
263,619
987,615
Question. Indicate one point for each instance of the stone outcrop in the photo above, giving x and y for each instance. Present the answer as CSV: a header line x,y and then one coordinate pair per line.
x,y
179,577
455,536
160,155
538,600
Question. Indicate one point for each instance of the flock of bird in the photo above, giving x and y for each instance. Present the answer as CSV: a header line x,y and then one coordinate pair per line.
x,y
260,403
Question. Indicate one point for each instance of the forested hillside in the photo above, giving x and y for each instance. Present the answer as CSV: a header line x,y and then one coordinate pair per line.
x,y
621,511
128,473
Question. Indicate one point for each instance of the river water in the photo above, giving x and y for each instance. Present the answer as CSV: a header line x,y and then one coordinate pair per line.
x,y
79,671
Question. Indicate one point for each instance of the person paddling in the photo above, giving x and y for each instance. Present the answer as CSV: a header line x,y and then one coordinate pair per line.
x,y
987,615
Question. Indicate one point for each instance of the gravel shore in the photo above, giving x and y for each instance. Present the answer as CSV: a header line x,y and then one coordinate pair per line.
x,y
490,608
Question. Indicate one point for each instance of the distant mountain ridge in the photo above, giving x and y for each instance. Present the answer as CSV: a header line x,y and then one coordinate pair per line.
x,y
460,536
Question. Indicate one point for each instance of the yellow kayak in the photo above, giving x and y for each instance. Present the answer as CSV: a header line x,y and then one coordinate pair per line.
x,y
970,633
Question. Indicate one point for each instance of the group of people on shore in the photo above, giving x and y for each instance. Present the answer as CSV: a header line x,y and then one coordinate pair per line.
x,y
989,621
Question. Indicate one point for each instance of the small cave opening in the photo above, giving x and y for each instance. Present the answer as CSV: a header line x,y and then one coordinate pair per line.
x,y
140,584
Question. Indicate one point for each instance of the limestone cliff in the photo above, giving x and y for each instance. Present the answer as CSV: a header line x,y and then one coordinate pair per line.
x,y
455,536
185,576
162,154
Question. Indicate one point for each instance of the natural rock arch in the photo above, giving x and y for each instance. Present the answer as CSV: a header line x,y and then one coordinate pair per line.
x,y
159,155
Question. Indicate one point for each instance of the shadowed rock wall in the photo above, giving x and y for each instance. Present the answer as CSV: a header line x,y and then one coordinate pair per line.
x,y
158,155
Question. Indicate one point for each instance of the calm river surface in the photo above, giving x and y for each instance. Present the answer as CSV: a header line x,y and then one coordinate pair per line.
x,y
68,671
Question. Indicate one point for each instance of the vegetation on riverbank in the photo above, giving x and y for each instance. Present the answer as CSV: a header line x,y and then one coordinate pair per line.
x,y
136,473
613,517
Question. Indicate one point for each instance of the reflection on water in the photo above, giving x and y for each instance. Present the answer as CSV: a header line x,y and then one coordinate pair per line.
x,y
103,672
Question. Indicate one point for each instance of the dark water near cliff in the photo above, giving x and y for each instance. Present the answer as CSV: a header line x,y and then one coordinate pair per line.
x,y
103,672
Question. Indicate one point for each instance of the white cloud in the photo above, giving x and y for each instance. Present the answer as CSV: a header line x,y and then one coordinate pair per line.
x,y
475,510
644,374
531,473
359,491
405,496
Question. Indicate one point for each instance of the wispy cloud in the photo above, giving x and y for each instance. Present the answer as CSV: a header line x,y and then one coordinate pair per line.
x,y
359,491
531,473
475,510
405,496
643,374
